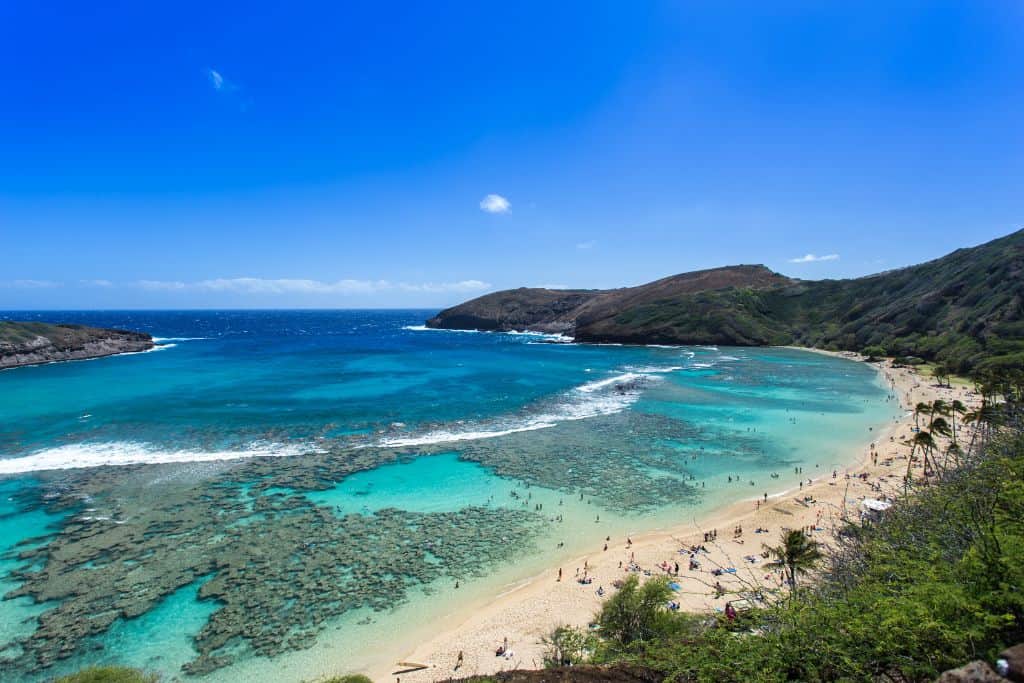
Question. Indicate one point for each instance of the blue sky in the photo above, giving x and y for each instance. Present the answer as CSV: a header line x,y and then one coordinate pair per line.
x,y
179,155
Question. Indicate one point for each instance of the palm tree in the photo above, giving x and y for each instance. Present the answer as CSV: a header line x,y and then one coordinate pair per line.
x,y
926,443
940,426
797,555
919,410
956,408
983,418
955,451
939,407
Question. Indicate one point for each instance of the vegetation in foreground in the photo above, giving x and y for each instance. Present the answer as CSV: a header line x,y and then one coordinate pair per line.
x,y
939,582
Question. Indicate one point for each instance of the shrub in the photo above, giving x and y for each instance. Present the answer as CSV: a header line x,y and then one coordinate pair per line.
x,y
567,646
636,613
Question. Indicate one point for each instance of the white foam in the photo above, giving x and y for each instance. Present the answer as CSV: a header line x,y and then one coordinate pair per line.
x,y
525,333
656,370
424,328
600,397
161,340
597,384
119,453
548,336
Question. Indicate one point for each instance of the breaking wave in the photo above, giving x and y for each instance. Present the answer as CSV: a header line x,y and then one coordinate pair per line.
x,y
593,399
515,333
161,340
119,453
424,328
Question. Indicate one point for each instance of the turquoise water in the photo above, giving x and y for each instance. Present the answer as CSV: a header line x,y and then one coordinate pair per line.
x,y
259,461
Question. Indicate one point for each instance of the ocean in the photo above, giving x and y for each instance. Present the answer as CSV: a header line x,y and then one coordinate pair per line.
x,y
279,491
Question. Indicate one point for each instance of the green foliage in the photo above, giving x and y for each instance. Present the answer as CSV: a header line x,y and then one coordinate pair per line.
x,y
568,646
938,583
962,311
349,678
797,555
874,352
108,674
636,613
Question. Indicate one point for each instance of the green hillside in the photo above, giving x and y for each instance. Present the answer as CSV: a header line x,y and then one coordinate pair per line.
x,y
963,310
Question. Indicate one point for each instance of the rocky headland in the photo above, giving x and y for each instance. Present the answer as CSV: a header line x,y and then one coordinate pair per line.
x,y
961,310
32,343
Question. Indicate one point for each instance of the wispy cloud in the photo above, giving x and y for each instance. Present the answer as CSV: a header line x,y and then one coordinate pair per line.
x,y
228,89
216,79
495,203
589,244
96,283
161,285
31,284
255,285
811,258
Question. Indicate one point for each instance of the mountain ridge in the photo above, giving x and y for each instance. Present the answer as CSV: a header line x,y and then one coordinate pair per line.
x,y
961,309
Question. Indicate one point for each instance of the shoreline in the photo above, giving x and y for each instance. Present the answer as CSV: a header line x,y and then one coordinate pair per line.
x,y
153,346
531,608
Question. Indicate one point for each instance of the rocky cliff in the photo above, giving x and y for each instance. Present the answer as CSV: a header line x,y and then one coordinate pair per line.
x,y
30,343
960,309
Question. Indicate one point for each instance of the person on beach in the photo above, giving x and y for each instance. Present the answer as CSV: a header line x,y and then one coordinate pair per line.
x,y
559,573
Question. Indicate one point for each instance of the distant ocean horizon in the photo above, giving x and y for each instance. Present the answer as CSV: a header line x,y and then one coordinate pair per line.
x,y
330,474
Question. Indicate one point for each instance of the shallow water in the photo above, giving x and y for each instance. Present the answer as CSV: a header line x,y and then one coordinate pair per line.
x,y
260,462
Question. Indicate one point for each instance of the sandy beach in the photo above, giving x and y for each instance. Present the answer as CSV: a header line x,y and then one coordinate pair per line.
x,y
527,612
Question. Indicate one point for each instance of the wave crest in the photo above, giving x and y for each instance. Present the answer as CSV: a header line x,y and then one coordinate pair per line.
x,y
593,399
120,453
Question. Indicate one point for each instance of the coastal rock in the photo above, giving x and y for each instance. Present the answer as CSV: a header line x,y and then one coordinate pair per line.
x,y
31,343
969,298
974,672
1011,663
537,310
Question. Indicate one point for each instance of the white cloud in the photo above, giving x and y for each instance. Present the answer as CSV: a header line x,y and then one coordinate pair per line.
x,y
33,284
216,80
461,286
96,283
255,285
161,285
589,244
495,203
811,258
